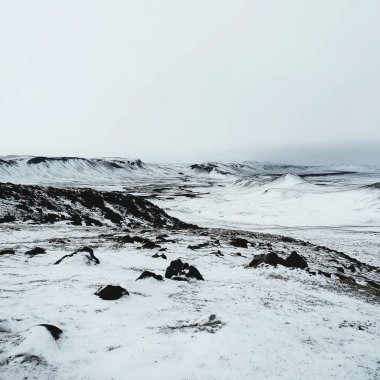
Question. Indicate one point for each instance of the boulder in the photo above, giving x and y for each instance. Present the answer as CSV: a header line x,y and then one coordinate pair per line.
x,y
111,292
156,256
133,239
294,260
7,252
35,251
182,270
271,259
150,245
239,242
53,330
198,246
147,274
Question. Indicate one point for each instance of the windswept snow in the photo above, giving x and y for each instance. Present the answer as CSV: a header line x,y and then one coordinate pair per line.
x,y
240,322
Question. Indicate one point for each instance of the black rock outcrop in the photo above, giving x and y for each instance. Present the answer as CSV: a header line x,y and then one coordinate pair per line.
x,y
86,251
53,330
147,274
111,292
81,206
177,269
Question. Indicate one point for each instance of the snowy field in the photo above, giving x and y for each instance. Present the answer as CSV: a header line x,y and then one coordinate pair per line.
x,y
265,322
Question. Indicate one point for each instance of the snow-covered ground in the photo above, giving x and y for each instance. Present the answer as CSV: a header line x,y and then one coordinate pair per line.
x,y
240,323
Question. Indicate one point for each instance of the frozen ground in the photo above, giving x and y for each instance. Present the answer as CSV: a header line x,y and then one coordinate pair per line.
x,y
240,323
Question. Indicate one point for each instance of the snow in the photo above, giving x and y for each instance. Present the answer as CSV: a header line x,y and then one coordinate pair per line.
x,y
274,322
277,322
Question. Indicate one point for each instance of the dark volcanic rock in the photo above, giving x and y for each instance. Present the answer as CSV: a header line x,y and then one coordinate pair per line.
x,y
217,253
7,218
53,330
133,239
111,292
35,251
147,274
88,254
81,206
373,284
239,242
352,268
177,278
271,259
198,246
326,274
156,256
194,273
182,270
294,260
7,252
150,245
257,260
346,279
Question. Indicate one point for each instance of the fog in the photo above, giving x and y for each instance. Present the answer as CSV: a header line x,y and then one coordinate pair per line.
x,y
173,81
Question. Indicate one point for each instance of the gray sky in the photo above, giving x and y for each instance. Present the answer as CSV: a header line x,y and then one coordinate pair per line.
x,y
187,80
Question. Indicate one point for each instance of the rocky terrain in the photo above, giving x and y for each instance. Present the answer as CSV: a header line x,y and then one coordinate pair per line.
x,y
99,283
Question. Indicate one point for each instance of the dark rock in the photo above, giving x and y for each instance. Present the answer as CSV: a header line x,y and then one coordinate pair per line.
x,y
7,218
52,218
90,256
340,269
373,284
156,256
111,292
53,330
198,246
177,278
179,269
294,260
81,206
217,253
271,259
35,251
326,274
239,242
7,252
352,268
133,239
150,245
162,237
194,273
147,274
346,279
257,260
163,249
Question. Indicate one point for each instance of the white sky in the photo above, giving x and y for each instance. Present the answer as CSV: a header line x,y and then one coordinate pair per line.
x,y
171,79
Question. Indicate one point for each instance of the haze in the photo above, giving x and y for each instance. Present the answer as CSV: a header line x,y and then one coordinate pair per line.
x,y
175,80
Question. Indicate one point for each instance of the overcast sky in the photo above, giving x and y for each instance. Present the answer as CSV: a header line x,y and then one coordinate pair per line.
x,y
189,80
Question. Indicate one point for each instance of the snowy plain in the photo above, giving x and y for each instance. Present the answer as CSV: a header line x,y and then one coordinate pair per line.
x,y
273,322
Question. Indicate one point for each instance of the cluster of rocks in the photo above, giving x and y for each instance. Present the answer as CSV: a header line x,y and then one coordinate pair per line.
x,y
294,260
180,271
82,206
